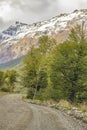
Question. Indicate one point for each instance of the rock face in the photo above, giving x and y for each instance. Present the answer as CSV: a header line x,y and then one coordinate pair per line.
x,y
17,39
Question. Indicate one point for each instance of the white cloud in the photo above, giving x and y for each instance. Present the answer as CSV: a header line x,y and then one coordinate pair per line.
x,y
35,10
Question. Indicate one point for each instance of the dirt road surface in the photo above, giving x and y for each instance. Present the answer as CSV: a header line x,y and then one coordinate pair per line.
x,y
15,114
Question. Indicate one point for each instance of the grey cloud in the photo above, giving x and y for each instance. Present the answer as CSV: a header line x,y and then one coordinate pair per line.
x,y
34,6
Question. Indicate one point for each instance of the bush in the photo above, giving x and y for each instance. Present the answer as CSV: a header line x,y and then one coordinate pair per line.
x,y
5,89
30,93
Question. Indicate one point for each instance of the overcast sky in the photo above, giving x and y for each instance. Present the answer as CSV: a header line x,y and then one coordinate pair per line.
x,y
30,11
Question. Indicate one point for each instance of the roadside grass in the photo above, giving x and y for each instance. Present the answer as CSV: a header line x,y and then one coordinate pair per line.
x,y
3,93
65,104
83,107
61,104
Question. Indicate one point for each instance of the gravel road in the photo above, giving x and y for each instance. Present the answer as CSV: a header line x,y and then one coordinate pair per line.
x,y
15,114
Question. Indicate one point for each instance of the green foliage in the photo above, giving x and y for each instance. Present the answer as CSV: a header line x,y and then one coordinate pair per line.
x,y
1,78
69,71
35,70
31,68
34,75
58,71
5,89
46,44
78,34
30,93
10,79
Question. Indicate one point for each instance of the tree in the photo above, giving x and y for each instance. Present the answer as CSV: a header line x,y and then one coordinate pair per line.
x,y
11,78
1,78
46,44
69,69
33,73
78,33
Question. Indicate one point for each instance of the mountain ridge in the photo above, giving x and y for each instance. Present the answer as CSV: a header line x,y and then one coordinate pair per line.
x,y
17,39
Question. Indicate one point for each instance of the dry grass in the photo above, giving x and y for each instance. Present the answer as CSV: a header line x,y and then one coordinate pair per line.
x,y
2,93
83,107
65,104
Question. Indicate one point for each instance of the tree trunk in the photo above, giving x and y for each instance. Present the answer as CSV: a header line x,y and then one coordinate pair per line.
x,y
35,91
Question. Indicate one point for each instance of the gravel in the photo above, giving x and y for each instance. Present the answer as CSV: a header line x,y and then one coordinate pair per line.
x,y
15,114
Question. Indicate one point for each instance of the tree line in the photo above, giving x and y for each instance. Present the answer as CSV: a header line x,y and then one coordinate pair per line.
x,y
7,80
54,71
58,71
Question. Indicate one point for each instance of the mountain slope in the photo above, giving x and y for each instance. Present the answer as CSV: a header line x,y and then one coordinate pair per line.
x,y
17,39
11,64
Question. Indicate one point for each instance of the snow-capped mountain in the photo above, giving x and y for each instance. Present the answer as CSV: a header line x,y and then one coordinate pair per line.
x,y
16,40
